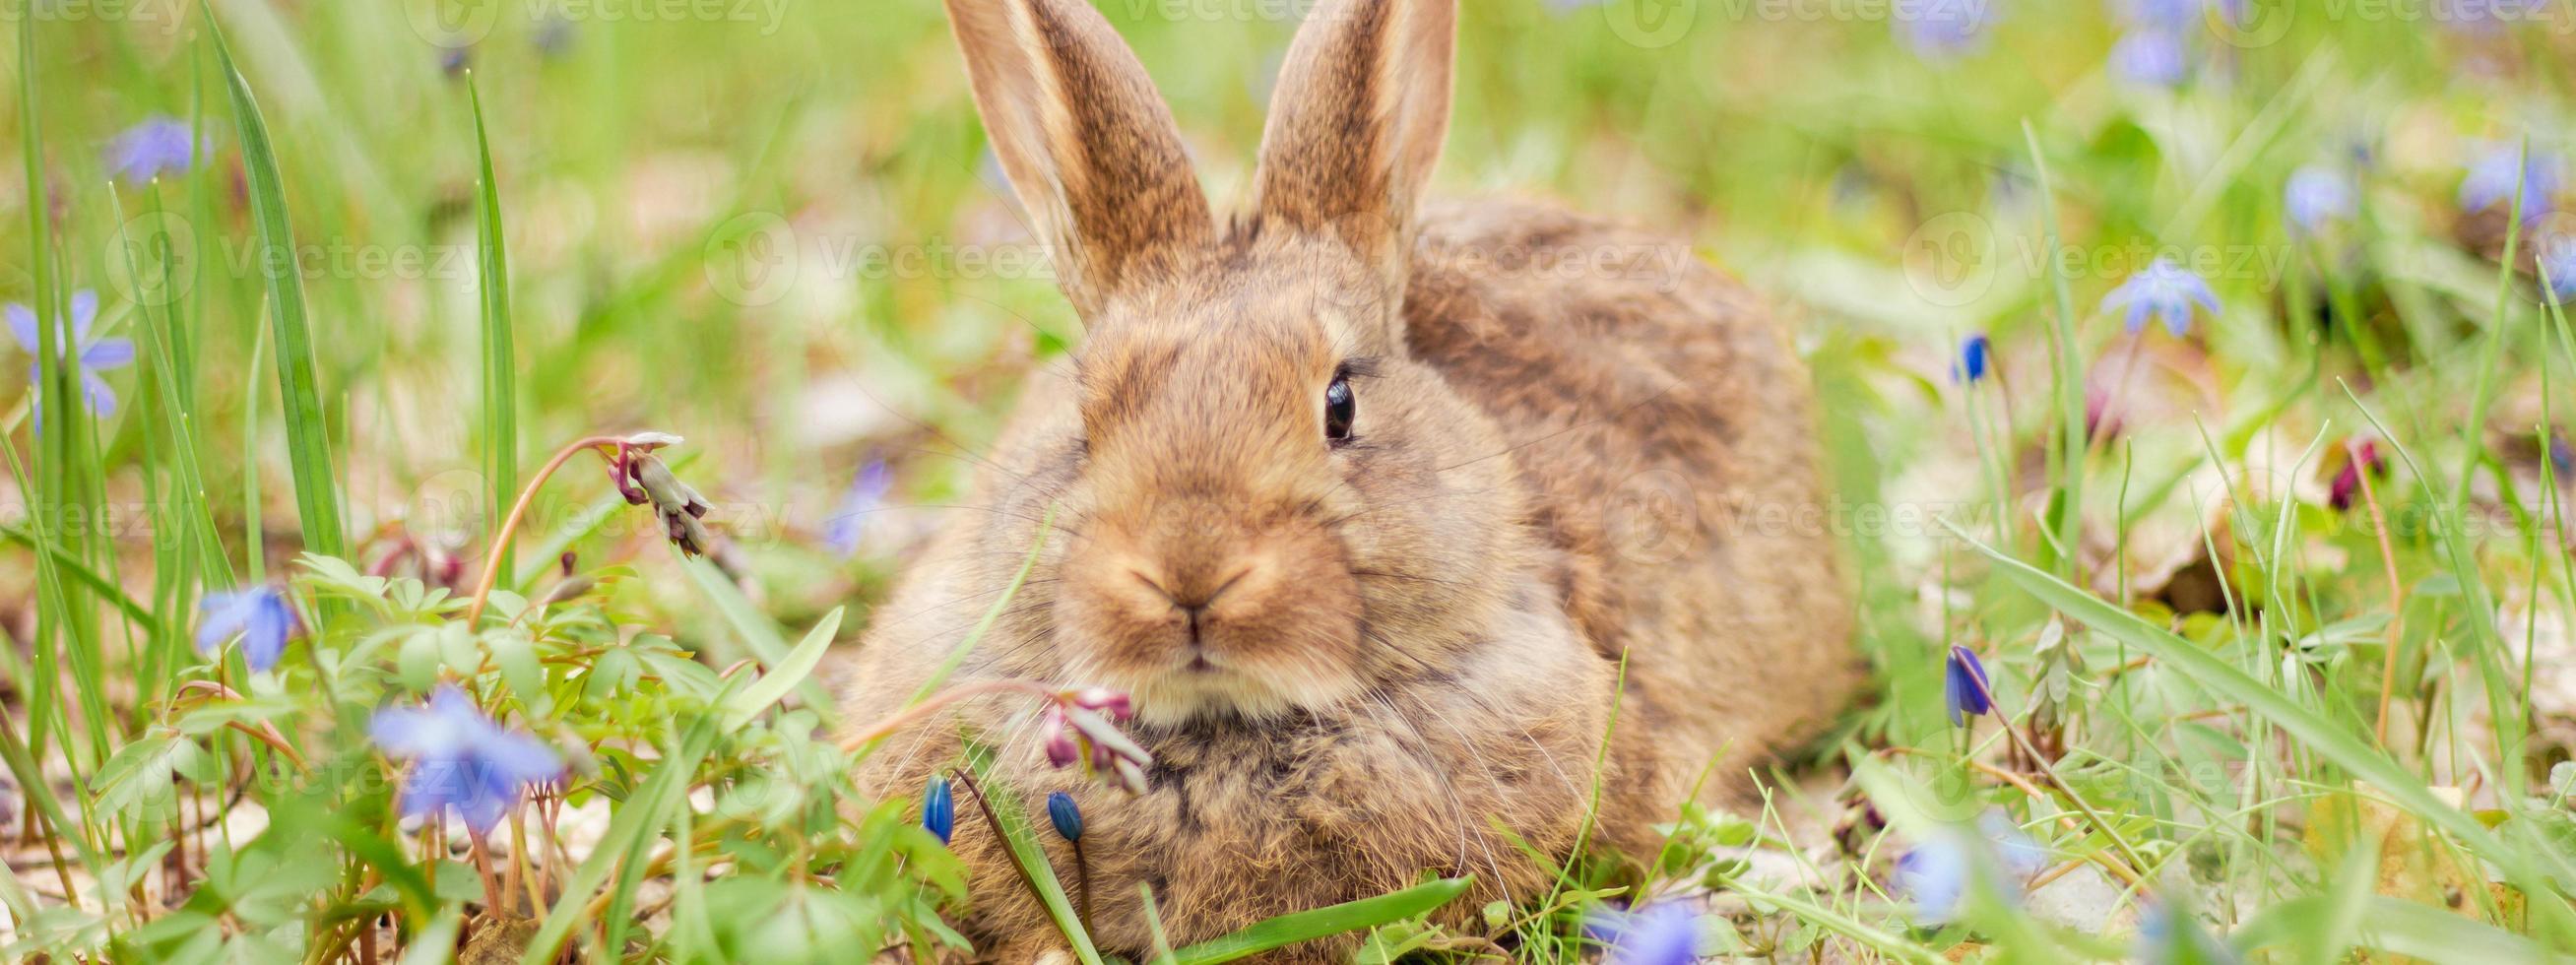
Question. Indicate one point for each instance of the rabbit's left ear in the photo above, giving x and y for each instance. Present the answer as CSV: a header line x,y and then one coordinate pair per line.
x,y
1356,122
1087,143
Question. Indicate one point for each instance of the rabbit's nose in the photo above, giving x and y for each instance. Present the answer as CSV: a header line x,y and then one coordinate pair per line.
x,y
1194,597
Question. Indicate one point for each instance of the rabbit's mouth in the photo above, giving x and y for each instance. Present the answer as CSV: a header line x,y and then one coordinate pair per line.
x,y
1202,687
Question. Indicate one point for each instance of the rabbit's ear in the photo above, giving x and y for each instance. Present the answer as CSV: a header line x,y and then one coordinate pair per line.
x,y
1084,137
1356,121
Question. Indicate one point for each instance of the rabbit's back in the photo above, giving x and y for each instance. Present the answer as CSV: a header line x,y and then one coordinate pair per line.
x,y
1663,425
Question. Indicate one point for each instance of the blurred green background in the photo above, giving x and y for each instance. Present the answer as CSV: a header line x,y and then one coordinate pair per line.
x,y
771,226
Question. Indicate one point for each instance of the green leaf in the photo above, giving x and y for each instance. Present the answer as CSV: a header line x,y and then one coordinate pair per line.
x,y
2066,460
500,365
308,438
140,773
516,657
416,663
787,675
163,341
1031,856
754,627
1325,922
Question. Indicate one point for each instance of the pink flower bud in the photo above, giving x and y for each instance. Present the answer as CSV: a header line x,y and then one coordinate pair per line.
x,y
1060,748
1106,701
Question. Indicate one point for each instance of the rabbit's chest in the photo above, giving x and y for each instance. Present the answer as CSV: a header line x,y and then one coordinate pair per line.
x,y
1309,815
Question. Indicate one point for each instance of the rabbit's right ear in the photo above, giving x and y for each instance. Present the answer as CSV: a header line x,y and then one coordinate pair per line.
x,y
1087,143
1356,122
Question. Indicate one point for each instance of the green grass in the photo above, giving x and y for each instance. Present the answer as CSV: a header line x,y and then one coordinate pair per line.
x,y
778,237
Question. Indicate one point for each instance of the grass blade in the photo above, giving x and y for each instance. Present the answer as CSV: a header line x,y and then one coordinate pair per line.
x,y
308,439
163,342
1325,922
1012,823
2066,501
2319,735
500,365
630,835
753,626
787,675
105,588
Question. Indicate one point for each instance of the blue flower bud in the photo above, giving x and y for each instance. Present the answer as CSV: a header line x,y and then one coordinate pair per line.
x,y
1975,359
260,616
939,809
1066,816
1965,688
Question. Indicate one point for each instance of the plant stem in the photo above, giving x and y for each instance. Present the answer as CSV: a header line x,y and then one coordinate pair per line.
x,y
993,823
2396,589
492,905
2013,732
492,555
1082,878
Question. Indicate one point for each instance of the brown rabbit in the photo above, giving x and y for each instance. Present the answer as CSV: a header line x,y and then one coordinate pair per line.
x,y
1370,574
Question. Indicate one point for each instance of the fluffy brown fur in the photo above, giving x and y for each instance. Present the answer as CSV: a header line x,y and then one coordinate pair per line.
x,y
1353,659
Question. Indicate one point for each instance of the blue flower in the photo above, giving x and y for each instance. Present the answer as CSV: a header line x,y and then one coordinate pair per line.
x,y
2558,261
2501,172
2152,56
1937,874
1934,875
1663,934
1966,692
461,760
939,809
1939,29
864,497
88,360
1065,815
2317,194
260,616
2169,935
157,146
1976,358
2164,291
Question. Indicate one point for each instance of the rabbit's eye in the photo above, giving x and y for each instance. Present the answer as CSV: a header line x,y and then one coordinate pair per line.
x,y
1339,409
